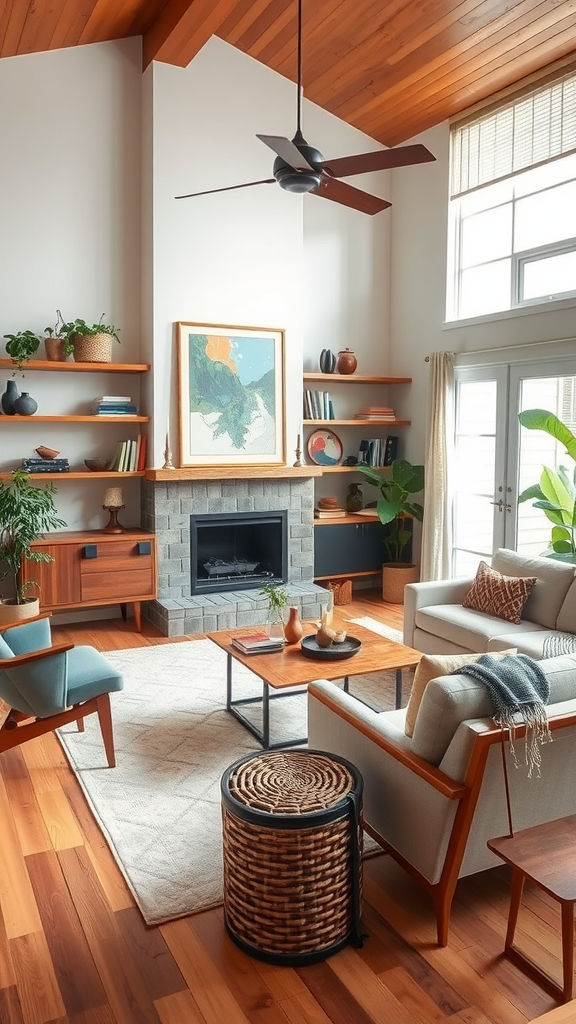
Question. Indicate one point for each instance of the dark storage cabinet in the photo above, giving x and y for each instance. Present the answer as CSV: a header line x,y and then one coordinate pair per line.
x,y
348,548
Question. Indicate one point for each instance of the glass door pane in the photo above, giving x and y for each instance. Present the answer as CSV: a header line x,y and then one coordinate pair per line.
x,y
478,467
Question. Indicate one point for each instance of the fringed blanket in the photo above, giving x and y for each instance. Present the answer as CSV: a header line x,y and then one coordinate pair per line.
x,y
519,692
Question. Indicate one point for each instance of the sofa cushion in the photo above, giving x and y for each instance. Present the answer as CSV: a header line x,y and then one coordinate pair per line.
x,y
465,627
566,621
531,644
450,700
553,578
430,667
495,594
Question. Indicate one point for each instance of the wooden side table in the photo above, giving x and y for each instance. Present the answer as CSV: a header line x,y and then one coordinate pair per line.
x,y
545,854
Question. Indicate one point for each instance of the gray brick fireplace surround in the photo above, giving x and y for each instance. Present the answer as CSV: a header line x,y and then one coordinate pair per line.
x,y
167,507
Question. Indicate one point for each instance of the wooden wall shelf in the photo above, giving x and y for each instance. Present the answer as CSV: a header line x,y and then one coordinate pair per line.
x,y
82,419
72,367
355,378
79,475
357,423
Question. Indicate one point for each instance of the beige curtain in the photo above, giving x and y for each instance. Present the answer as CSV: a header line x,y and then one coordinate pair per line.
x,y
437,524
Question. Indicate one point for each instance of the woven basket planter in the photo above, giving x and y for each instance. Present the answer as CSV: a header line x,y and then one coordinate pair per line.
x,y
11,612
292,855
395,576
93,348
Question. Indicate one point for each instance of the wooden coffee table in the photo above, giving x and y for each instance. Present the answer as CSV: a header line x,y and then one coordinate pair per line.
x,y
289,668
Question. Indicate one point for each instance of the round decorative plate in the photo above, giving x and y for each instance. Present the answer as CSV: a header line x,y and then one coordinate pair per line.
x,y
325,447
336,652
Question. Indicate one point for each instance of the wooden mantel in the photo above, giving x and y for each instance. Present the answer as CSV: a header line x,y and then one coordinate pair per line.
x,y
232,473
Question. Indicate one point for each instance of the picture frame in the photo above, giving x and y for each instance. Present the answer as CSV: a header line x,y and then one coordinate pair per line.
x,y
231,395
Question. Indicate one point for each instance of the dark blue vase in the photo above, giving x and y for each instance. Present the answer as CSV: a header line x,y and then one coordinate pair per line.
x,y
25,405
327,361
9,397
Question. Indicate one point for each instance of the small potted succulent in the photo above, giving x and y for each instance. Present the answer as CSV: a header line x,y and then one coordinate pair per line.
x,y
92,343
21,347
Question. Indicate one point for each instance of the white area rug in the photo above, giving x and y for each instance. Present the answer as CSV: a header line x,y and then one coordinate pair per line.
x,y
160,807
379,627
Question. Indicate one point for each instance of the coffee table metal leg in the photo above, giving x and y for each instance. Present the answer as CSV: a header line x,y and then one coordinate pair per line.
x,y
263,734
398,702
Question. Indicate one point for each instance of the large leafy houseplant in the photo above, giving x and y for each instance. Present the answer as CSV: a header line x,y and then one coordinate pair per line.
x,y
397,488
555,494
26,513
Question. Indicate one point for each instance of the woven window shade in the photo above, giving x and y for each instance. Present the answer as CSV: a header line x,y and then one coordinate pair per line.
x,y
530,130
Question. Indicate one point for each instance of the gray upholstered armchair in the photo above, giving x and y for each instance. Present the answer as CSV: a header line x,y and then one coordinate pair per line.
x,y
48,686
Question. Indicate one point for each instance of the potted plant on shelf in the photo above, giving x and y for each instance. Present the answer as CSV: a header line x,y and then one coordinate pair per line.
x,y
26,512
555,494
57,346
91,343
397,487
21,347
277,601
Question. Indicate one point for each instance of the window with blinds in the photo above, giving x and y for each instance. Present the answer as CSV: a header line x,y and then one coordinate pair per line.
x,y
512,214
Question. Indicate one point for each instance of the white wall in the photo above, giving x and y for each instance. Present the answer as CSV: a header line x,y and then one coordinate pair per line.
x,y
70,237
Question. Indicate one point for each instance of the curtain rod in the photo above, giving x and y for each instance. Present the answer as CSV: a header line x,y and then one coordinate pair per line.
x,y
507,348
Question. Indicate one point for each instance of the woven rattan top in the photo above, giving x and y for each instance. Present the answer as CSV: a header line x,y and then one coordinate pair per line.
x,y
291,782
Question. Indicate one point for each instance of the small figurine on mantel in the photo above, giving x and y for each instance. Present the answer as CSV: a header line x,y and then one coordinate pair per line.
x,y
354,500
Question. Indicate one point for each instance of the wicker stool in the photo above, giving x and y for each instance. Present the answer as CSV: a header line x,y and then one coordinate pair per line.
x,y
292,855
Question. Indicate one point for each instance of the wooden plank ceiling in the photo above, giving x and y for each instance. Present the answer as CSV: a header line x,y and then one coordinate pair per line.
x,y
391,68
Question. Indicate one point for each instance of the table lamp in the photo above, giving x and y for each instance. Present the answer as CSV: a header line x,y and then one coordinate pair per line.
x,y
113,502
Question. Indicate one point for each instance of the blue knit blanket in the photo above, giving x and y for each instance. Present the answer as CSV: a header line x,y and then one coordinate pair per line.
x,y
519,692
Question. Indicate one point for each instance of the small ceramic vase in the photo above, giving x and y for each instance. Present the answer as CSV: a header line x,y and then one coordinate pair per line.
x,y
347,361
9,397
25,405
293,629
354,498
327,361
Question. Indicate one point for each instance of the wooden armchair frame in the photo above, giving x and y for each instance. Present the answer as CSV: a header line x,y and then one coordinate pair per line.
x,y
466,794
19,727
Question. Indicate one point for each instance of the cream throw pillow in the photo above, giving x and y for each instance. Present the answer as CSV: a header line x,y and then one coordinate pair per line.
x,y
430,667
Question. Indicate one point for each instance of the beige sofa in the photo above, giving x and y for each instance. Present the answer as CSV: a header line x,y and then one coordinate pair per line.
x,y
436,623
434,799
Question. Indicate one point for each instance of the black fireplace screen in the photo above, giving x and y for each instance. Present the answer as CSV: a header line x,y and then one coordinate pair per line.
x,y
238,550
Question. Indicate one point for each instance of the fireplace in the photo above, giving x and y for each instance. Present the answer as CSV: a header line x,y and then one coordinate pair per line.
x,y
238,550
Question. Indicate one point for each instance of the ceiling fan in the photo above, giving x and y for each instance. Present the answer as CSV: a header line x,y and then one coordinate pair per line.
x,y
299,167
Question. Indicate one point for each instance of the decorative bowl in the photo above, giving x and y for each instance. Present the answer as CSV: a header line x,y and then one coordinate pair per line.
x,y
96,465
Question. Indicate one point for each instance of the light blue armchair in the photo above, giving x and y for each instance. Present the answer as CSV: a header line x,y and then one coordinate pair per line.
x,y
52,685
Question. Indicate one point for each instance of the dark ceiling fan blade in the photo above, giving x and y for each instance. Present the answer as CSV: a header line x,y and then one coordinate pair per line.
x,y
228,188
382,160
346,195
287,151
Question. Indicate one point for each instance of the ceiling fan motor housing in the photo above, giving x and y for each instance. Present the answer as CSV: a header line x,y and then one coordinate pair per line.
x,y
299,181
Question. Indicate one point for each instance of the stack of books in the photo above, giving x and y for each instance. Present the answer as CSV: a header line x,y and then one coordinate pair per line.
x,y
258,643
375,412
329,513
130,456
46,465
114,405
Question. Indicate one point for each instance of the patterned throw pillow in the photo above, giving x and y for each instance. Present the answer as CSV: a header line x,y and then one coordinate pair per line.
x,y
502,596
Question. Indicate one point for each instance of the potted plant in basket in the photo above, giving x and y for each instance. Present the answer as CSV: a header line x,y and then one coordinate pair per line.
x,y
397,487
26,512
555,494
91,343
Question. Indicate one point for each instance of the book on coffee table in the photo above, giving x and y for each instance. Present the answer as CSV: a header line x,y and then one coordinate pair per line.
x,y
257,643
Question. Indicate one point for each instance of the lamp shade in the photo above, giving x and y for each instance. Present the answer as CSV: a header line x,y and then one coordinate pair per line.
x,y
113,498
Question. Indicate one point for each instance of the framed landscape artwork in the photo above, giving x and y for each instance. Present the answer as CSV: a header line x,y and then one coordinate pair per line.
x,y
231,395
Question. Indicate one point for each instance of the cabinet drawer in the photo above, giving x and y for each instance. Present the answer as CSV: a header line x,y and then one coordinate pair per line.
x,y
114,556
117,586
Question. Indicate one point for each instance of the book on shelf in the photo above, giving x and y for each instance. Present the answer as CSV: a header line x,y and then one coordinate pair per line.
x,y
317,405
257,643
141,452
115,409
46,465
329,513
114,398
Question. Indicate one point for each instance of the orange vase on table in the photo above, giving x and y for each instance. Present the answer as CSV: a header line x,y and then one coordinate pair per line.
x,y
293,629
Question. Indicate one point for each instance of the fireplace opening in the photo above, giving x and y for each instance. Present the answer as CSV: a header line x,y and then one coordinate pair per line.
x,y
238,550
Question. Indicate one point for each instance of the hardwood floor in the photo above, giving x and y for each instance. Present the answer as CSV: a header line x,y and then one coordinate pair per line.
x,y
74,948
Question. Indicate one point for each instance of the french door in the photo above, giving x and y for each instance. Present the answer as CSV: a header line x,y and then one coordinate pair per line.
x,y
495,459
